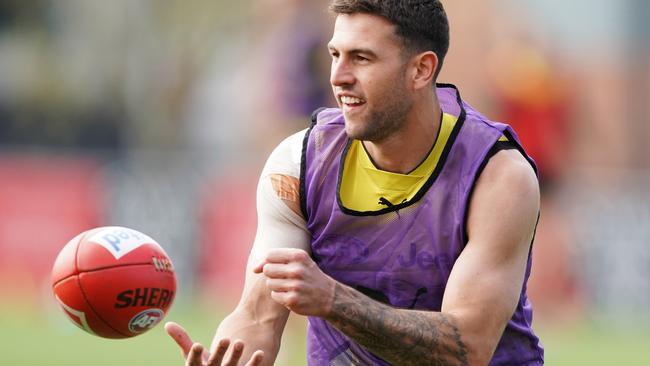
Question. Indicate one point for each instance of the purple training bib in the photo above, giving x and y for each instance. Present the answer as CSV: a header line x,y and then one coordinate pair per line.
x,y
401,255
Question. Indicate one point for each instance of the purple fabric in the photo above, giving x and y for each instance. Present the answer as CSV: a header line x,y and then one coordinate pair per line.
x,y
401,257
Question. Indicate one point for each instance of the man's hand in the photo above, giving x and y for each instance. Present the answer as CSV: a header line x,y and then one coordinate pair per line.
x,y
196,355
296,282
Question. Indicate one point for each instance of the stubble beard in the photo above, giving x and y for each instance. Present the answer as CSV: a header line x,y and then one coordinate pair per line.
x,y
390,115
381,124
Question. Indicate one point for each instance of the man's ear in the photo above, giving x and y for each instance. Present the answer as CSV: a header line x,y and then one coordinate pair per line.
x,y
424,67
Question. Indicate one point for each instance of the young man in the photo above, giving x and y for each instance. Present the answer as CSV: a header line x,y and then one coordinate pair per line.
x,y
400,224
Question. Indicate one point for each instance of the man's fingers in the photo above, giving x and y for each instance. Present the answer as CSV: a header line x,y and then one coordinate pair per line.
x,y
274,270
284,298
281,285
235,355
192,352
218,353
260,267
180,336
256,359
282,255
286,255
195,356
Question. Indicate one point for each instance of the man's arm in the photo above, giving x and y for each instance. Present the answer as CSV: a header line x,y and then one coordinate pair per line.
x,y
257,319
257,323
480,297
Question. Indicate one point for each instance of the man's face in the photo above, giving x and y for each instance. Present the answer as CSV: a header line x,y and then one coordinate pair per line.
x,y
368,76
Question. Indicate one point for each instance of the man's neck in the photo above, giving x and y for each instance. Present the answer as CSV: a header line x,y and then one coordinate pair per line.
x,y
404,150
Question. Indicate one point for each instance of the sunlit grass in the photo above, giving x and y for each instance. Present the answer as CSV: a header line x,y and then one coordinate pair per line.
x,y
42,336
36,337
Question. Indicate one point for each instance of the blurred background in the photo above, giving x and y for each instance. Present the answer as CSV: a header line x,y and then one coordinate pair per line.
x,y
159,114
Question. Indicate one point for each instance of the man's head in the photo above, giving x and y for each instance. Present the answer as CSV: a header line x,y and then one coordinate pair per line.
x,y
385,57
421,25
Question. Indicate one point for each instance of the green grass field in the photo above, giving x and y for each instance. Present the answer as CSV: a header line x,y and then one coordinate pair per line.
x,y
44,337
30,336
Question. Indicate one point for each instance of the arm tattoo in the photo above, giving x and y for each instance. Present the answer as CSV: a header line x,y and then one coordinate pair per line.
x,y
401,337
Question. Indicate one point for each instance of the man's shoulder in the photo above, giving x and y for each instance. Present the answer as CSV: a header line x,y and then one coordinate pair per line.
x,y
285,158
511,170
287,155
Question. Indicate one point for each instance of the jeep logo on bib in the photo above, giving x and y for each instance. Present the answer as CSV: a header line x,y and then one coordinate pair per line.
x,y
145,320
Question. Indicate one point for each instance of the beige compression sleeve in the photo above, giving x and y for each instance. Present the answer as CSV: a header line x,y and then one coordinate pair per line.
x,y
280,223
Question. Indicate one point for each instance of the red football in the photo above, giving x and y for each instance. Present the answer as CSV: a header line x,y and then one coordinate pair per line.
x,y
114,282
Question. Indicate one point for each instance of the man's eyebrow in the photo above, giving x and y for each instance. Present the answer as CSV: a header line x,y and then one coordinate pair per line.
x,y
365,51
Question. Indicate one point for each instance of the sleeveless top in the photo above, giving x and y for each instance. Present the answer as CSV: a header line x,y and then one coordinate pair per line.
x,y
401,255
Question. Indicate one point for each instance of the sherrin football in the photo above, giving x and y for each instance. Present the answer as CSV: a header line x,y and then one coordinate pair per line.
x,y
114,282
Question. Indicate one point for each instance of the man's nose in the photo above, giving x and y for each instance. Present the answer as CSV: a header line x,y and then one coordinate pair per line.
x,y
341,74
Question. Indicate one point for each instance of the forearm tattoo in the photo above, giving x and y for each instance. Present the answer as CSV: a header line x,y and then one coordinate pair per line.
x,y
401,337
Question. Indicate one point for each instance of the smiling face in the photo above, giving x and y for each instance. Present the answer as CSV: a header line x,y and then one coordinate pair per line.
x,y
368,76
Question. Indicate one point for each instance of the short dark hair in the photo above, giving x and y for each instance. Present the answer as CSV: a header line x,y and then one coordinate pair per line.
x,y
421,24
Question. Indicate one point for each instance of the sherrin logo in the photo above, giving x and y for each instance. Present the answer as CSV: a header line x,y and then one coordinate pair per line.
x,y
120,240
145,320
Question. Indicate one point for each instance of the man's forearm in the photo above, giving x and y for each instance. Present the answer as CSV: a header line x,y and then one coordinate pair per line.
x,y
401,337
259,332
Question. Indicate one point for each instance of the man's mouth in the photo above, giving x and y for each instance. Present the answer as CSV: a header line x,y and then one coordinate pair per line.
x,y
351,101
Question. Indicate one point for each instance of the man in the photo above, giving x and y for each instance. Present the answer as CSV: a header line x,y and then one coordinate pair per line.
x,y
400,224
